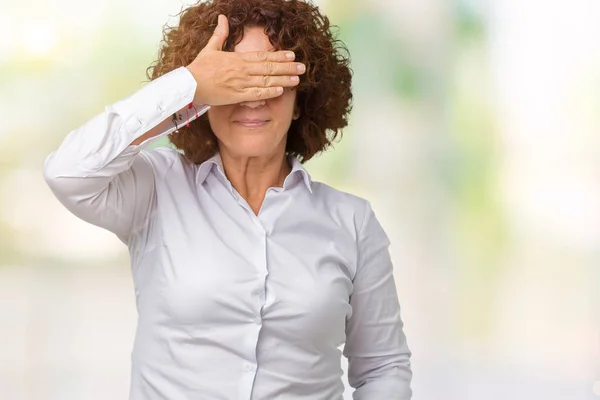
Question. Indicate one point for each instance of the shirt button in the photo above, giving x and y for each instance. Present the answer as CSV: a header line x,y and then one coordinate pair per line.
x,y
132,124
250,367
257,321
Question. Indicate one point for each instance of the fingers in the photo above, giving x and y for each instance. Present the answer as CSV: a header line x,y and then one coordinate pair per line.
x,y
219,35
276,56
260,93
275,68
272,63
272,81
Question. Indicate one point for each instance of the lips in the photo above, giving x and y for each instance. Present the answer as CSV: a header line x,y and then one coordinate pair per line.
x,y
252,123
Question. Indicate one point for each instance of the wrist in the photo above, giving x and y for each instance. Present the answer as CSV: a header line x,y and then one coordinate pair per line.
x,y
197,99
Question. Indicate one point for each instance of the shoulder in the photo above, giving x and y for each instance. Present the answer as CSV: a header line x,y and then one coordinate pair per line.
x,y
356,215
164,159
331,195
342,205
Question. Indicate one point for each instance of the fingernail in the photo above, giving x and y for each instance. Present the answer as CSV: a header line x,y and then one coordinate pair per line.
x,y
294,78
301,68
290,55
279,90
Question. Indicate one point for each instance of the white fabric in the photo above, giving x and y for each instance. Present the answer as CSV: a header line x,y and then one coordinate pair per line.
x,y
231,305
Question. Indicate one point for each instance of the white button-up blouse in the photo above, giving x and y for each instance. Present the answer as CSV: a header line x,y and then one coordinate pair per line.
x,y
233,305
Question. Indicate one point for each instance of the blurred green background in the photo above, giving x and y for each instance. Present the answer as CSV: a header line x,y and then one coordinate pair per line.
x,y
475,134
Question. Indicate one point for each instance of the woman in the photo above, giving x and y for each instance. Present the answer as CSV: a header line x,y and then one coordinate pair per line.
x,y
248,275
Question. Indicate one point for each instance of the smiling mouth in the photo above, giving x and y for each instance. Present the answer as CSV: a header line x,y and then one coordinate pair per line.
x,y
252,123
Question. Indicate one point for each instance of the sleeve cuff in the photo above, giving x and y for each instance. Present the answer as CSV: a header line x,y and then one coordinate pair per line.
x,y
142,111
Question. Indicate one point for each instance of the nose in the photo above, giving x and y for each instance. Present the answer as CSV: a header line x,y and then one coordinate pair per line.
x,y
253,104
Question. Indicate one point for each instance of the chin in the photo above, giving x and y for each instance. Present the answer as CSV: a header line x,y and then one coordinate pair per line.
x,y
254,148
252,142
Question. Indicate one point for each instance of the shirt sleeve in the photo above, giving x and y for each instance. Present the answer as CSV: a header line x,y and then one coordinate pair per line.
x,y
376,348
99,176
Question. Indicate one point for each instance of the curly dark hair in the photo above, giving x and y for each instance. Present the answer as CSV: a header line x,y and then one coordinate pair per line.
x,y
324,94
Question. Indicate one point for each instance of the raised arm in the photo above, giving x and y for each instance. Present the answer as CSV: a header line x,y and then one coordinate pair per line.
x,y
98,175
100,172
376,347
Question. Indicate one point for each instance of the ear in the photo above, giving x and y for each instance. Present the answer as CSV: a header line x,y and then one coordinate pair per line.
x,y
296,114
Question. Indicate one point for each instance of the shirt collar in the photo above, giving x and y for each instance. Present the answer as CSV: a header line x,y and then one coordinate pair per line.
x,y
215,162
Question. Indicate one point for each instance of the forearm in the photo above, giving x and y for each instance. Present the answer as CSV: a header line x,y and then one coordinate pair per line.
x,y
141,116
160,129
96,173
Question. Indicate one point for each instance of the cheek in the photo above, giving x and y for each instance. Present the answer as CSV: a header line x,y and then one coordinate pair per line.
x,y
218,118
285,103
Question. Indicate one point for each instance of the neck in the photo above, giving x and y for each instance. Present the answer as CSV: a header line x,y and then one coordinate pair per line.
x,y
252,176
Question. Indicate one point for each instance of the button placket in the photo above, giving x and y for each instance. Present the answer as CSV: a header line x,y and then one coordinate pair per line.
x,y
264,267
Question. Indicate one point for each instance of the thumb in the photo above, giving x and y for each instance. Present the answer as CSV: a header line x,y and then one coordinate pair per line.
x,y
220,34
